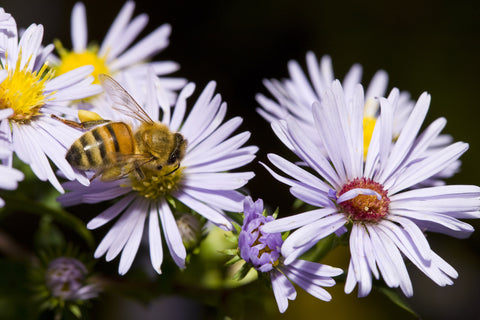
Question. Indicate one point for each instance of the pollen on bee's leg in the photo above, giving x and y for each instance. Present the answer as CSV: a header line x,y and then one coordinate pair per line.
x,y
85,116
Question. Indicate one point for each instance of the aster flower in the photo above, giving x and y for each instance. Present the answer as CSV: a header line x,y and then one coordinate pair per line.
x,y
29,89
294,97
65,279
262,250
202,182
370,197
117,53
62,282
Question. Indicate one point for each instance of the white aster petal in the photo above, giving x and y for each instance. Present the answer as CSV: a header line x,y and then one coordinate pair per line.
x,y
79,28
214,215
304,238
131,247
427,167
128,35
111,212
408,134
172,235
228,200
218,180
145,48
307,284
116,29
155,239
127,225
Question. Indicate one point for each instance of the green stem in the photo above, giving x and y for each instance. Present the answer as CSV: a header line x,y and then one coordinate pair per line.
x,y
13,202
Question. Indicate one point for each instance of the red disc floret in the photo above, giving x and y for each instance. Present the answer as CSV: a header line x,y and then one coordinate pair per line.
x,y
365,207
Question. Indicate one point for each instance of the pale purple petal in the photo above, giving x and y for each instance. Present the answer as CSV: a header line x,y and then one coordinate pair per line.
x,y
298,220
283,290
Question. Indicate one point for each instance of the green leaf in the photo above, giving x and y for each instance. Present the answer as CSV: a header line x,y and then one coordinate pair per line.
x,y
396,298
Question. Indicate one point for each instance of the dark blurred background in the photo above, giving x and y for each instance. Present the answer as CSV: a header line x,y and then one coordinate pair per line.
x,y
429,46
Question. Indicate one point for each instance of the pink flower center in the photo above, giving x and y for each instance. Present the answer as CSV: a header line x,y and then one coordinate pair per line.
x,y
365,207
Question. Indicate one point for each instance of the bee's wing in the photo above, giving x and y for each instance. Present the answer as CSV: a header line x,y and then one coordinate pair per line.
x,y
122,100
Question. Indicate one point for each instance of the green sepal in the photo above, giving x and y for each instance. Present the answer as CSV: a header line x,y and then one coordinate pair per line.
x,y
232,261
229,252
232,238
242,272
275,213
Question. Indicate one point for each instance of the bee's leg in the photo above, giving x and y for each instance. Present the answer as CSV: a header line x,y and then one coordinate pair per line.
x,y
81,125
70,123
139,173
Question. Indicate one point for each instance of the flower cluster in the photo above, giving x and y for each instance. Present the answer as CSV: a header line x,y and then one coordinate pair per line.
x,y
106,124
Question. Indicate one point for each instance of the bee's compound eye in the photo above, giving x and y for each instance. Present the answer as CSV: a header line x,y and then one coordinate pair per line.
x,y
172,158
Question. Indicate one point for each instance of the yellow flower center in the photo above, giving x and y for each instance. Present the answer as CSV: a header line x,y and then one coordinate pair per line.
x,y
157,183
368,126
23,91
70,60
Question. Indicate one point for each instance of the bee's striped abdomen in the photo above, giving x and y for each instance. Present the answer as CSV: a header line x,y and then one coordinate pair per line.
x,y
100,146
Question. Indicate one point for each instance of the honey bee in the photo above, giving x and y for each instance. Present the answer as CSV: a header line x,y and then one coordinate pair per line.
x,y
115,149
